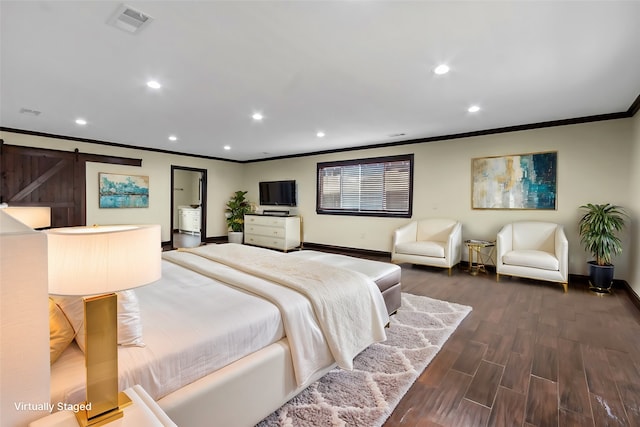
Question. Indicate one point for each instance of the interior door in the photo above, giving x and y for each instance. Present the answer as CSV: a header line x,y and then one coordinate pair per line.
x,y
188,187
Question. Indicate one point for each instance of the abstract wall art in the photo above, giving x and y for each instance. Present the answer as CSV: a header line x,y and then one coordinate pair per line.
x,y
123,191
521,181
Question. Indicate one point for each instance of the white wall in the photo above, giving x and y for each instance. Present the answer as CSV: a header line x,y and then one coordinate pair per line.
x,y
223,179
634,208
593,166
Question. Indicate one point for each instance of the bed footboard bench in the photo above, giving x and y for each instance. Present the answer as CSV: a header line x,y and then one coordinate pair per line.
x,y
385,275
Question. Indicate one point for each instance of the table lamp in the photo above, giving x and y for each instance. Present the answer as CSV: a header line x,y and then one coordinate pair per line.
x,y
95,262
33,216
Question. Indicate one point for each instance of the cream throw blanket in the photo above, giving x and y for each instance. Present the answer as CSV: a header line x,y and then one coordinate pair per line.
x,y
348,305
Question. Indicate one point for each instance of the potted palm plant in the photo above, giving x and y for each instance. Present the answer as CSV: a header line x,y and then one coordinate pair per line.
x,y
598,230
237,207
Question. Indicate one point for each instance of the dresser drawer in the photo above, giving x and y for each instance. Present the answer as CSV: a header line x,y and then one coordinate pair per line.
x,y
272,221
265,241
264,230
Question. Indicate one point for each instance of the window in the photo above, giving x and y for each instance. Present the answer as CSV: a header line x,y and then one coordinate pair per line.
x,y
380,186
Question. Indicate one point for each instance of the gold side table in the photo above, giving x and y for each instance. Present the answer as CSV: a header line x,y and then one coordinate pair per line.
x,y
476,247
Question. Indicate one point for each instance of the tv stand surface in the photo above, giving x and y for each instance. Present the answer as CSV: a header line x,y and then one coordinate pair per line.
x,y
275,213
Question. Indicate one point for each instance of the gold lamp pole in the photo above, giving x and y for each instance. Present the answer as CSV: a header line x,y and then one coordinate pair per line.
x,y
100,261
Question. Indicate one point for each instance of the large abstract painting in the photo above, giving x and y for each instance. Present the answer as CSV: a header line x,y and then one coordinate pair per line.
x,y
522,181
123,191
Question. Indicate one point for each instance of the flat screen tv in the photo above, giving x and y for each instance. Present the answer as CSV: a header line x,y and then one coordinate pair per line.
x,y
278,193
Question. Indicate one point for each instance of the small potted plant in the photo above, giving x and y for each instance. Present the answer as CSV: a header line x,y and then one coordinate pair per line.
x,y
598,228
237,207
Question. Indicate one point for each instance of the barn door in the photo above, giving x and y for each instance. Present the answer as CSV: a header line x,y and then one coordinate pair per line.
x,y
39,177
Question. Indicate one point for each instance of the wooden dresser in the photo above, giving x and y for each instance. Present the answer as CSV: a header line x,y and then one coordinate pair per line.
x,y
272,231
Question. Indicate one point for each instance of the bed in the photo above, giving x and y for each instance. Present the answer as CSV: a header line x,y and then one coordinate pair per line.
x,y
229,337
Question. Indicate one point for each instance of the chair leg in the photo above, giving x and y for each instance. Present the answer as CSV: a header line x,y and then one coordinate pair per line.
x,y
566,287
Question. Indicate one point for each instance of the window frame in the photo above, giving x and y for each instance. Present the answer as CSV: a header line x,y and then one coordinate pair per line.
x,y
357,162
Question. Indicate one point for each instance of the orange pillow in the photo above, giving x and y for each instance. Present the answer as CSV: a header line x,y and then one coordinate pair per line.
x,y
61,332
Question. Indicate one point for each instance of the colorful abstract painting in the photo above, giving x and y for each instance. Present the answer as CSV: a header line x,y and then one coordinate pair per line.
x,y
123,191
523,181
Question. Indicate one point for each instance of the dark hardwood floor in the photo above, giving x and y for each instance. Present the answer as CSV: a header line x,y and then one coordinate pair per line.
x,y
527,355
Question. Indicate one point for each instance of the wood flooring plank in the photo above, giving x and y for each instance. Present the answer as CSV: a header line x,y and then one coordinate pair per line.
x,y
608,411
485,383
468,413
517,373
599,376
508,408
470,357
623,367
596,335
524,341
545,362
571,419
572,383
630,395
438,368
547,336
407,412
499,348
542,403
442,401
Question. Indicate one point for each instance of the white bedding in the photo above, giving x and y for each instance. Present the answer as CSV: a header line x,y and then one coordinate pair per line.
x,y
196,320
348,305
182,310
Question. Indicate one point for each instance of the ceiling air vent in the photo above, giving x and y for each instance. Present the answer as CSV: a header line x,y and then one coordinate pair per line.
x,y
129,19
30,111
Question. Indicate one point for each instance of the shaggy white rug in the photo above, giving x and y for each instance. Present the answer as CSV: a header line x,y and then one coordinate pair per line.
x,y
382,374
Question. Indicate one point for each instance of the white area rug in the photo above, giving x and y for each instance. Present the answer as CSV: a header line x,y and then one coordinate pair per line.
x,y
366,396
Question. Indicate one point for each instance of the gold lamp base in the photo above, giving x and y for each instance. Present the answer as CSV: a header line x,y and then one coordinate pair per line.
x,y
102,419
104,403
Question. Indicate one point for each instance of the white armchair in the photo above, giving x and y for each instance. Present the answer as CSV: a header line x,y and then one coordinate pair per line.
x,y
435,242
535,250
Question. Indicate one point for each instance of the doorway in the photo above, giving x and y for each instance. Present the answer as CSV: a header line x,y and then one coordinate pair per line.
x,y
188,206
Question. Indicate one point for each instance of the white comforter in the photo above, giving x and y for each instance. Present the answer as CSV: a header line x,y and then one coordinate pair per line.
x,y
192,326
309,349
348,305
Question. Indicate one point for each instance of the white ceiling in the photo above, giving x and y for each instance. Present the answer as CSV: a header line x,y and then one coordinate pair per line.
x,y
361,71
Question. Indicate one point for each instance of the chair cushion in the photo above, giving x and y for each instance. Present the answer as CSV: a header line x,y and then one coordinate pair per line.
x,y
531,258
434,229
430,249
535,235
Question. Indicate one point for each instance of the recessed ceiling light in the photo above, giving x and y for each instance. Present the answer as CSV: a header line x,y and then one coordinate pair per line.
x,y
81,122
173,138
320,134
227,147
441,69
473,109
257,116
154,84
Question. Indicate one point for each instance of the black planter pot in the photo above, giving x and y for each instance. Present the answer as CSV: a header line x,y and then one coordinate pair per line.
x,y
600,278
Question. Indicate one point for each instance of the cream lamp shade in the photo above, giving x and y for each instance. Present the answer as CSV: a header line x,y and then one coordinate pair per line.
x,y
33,216
102,259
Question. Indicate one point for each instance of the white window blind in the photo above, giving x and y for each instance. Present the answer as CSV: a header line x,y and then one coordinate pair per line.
x,y
377,187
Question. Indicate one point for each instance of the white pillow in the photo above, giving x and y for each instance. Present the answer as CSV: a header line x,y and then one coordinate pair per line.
x,y
129,322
